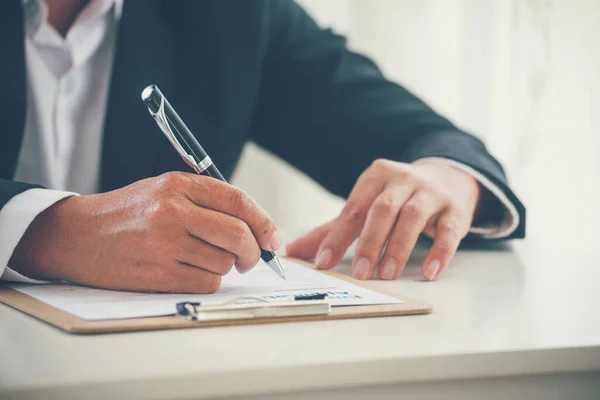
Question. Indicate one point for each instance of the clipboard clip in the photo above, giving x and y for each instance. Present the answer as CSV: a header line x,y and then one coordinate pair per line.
x,y
255,307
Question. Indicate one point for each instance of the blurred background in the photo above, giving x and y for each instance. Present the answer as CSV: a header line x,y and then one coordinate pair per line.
x,y
523,75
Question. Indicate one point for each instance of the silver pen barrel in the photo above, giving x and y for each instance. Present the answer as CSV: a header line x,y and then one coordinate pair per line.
x,y
275,265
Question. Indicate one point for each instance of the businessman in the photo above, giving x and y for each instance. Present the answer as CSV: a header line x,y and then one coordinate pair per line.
x,y
92,193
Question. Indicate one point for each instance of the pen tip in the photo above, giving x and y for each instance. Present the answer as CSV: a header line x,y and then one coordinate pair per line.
x,y
276,266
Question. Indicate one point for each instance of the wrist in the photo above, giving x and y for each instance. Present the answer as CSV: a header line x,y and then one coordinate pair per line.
x,y
42,253
442,168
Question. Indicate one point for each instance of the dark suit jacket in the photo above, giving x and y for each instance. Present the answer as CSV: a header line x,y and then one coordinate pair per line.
x,y
256,70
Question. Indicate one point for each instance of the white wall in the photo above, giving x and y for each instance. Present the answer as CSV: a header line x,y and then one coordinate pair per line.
x,y
523,75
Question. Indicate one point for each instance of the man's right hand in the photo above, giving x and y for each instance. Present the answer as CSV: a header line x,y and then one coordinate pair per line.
x,y
177,232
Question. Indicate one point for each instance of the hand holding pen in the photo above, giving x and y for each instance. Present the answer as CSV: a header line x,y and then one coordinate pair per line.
x,y
177,232
194,155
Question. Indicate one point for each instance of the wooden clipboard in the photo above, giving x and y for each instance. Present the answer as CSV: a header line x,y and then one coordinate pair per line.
x,y
73,324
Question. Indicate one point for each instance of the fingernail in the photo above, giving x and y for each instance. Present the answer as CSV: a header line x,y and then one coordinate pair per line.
x,y
431,270
323,258
388,269
361,269
275,241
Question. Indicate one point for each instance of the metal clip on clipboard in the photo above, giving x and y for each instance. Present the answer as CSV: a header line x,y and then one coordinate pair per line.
x,y
253,308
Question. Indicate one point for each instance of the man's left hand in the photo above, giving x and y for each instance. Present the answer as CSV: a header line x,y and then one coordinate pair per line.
x,y
391,204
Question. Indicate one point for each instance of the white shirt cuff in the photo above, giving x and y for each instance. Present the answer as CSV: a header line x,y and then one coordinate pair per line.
x,y
15,217
511,216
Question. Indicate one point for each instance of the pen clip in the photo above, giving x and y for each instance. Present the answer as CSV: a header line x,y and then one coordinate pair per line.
x,y
163,123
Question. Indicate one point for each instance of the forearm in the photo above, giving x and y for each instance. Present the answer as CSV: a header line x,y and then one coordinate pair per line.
x,y
330,111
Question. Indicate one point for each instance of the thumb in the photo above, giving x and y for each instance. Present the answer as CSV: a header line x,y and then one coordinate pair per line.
x,y
306,246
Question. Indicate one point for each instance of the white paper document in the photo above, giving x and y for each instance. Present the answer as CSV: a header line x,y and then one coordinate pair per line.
x,y
97,304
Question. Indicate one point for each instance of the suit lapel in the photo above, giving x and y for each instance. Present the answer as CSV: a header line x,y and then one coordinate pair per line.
x,y
143,56
13,97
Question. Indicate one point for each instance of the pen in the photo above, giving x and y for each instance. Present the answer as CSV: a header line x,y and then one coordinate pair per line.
x,y
181,138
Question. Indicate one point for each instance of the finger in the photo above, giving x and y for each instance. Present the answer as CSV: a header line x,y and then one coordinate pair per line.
x,y
220,196
347,226
200,254
172,277
182,278
340,236
306,246
412,220
380,219
431,224
451,228
227,233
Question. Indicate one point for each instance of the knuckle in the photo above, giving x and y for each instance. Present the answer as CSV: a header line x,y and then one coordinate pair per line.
x,y
414,211
458,214
240,202
351,212
429,189
171,180
225,263
250,258
381,164
405,173
384,204
453,234
165,209
198,185
449,227
368,245
445,249
212,283
445,197
437,192
415,180
239,231
228,262
399,250
169,207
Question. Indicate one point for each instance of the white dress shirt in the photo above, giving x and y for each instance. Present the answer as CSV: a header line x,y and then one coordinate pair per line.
x,y
67,90
67,86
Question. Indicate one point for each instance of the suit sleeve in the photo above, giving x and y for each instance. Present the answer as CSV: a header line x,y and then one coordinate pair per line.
x,y
330,112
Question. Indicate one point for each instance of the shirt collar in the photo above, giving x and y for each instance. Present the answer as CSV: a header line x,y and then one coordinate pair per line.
x,y
36,13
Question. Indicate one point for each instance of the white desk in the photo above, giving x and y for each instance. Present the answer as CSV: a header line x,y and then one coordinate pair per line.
x,y
503,327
